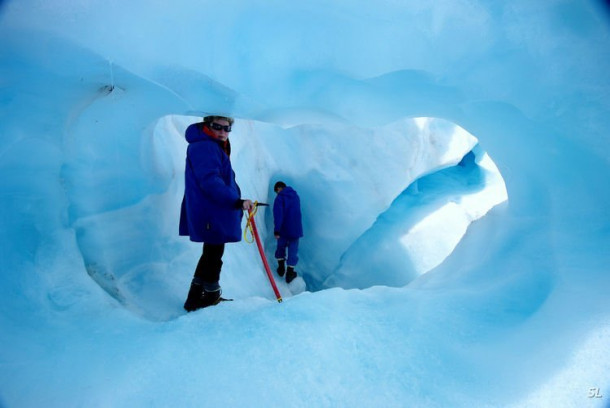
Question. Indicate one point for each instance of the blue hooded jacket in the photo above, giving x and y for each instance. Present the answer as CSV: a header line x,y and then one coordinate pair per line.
x,y
287,214
211,210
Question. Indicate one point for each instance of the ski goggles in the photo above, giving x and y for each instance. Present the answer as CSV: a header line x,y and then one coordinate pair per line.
x,y
218,126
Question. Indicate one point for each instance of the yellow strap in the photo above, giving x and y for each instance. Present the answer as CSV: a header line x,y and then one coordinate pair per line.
x,y
249,224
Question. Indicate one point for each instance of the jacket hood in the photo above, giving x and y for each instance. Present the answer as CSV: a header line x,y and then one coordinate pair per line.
x,y
289,191
195,133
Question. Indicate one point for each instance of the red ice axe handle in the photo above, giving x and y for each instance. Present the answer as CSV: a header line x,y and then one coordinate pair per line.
x,y
254,230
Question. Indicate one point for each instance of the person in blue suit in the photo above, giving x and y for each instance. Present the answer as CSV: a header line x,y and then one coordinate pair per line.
x,y
288,229
212,207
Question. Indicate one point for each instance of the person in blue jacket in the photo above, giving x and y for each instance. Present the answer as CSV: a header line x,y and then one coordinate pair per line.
x,y
288,228
212,207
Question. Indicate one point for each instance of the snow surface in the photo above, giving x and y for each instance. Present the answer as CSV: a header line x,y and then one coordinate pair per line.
x,y
451,159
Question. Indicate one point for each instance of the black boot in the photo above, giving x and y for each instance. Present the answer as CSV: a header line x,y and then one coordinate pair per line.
x,y
290,274
281,267
193,299
210,298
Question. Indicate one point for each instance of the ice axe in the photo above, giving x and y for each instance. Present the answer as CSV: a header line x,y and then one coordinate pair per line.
x,y
251,225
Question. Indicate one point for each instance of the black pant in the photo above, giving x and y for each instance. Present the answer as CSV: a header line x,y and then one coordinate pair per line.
x,y
210,263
